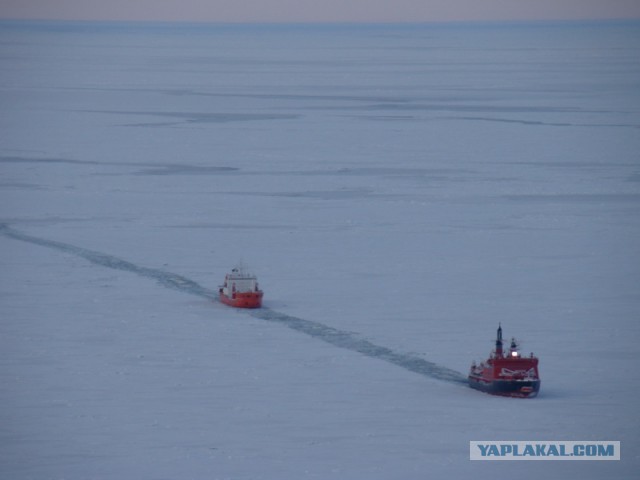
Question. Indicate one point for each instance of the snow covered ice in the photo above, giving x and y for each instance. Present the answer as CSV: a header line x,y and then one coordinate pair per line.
x,y
398,190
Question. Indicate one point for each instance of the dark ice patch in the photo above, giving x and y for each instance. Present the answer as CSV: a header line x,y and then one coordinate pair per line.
x,y
177,118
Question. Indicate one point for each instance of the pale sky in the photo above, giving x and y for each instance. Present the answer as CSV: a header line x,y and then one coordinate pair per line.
x,y
320,10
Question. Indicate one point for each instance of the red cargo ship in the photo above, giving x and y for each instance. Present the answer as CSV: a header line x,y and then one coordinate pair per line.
x,y
240,289
510,374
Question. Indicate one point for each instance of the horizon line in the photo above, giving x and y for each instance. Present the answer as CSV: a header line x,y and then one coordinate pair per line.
x,y
325,22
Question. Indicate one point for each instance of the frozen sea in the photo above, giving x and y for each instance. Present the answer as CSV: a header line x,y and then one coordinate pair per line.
x,y
398,190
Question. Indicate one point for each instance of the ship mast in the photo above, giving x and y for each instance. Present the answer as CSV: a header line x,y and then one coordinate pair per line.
x,y
499,342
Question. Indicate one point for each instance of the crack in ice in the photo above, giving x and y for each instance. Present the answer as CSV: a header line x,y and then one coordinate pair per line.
x,y
311,328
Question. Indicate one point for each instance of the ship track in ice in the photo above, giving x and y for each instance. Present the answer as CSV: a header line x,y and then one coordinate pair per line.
x,y
331,335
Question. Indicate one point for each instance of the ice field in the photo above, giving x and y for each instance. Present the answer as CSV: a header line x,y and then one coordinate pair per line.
x,y
398,190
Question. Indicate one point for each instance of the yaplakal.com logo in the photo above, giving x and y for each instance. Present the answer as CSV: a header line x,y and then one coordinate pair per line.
x,y
544,450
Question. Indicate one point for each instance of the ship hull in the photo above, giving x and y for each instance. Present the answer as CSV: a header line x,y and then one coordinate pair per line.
x,y
243,300
506,388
